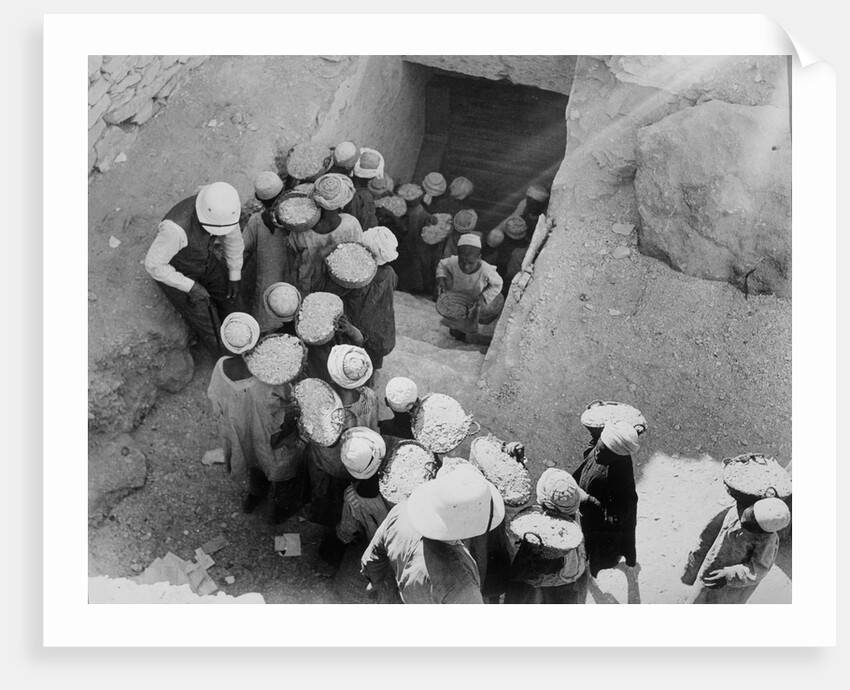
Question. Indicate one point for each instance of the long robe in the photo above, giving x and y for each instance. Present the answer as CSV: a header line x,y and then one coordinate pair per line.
x,y
609,530
247,413
723,543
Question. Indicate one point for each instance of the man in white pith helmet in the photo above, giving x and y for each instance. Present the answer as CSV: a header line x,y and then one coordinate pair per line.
x,y
182,261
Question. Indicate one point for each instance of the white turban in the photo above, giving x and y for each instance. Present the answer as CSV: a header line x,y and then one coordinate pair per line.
x,y
346,154
369,165
267,185
558,491
361,451
401,393
333,191
620,438
382,243
239,332
349,366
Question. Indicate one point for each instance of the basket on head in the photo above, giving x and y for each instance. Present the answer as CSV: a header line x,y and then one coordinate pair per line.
x,y
322,412
317,318
394,204
510,477
752,476
308,161
552,536
439,423
297,212
434,234
600,412
408,465
277,358
455,306
351,265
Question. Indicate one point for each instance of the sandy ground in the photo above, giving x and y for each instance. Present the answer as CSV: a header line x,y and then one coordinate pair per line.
x,y
705,394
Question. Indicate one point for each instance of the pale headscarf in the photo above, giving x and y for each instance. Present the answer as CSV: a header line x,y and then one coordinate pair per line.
x,y
239,332
621,438
346,154
333,191
267,185
361,451
434,184
460,188
370,164
401,392
557,491
382,243
465,220
349,366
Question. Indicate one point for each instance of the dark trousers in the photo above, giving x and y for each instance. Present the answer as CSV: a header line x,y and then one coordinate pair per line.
x,y
204,317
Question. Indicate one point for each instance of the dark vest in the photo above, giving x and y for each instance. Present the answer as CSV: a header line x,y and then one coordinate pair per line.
x,y
192,260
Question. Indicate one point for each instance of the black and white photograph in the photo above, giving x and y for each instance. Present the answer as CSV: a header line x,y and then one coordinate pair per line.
x,y
439,329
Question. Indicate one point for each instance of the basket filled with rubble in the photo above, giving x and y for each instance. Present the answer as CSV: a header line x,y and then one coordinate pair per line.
x,y
553,536
322,413
277,358
297,212
408,465
752,476
394,204
307,161
440,423
437,232
501,469
601,412
351,265
317,318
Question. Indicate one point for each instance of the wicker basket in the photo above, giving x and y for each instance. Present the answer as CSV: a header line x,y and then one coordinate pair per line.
x,y
552,536
269,374
510,477
316,320
434,234
292,200
394,204
358,253
395,482
752,476
599,413
440,424
455,306
307,162
323,415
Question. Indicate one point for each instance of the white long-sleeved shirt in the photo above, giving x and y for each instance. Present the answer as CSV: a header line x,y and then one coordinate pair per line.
x,y
171,238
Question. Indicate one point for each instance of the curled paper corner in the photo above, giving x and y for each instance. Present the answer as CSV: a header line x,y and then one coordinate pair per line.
x,y
794,47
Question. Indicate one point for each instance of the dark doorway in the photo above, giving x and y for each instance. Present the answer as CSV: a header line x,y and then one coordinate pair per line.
x,y
501,136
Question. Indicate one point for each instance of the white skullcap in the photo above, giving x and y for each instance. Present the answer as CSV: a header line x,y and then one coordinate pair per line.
x,y
469,239
401,393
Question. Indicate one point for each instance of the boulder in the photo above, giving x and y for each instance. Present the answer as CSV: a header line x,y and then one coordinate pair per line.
x,y
713,189
176,371
116,468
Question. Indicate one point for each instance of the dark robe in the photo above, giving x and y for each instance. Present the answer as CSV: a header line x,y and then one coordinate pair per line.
x,y
362,207
609,530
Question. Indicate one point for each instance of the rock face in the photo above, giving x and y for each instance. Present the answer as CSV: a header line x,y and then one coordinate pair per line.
x,y
125,91
116,468
713,189
548,72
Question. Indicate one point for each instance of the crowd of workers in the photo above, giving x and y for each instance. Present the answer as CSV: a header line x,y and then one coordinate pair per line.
x,y
448,542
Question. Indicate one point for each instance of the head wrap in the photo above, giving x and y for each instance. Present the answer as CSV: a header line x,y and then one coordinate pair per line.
x,y
382,243
333,191
434,184
460,188
557,491
469,239
620,438
381,186
537,192
771,514
282,301
495,238
465,220
401,393
515,227
361,451
346,154
239,332
349,366
267,185
370,164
